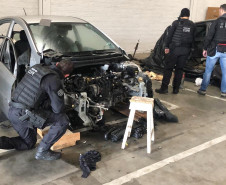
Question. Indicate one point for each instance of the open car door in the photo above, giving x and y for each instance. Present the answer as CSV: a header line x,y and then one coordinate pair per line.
x,y
8,72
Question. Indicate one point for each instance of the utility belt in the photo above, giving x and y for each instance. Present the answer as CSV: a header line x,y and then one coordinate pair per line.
x,y
36,118
187,45
177,44
221,48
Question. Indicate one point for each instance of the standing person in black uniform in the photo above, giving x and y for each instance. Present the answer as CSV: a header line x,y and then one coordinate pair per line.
x,y
179,42
215,48
38,101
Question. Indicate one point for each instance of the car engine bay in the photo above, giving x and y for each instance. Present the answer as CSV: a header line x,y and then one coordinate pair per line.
x,y
90,91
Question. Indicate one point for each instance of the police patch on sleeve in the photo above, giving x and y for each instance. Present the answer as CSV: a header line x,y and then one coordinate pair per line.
x,y
60,92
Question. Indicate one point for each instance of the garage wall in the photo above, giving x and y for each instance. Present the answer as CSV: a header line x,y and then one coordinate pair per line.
x,y
199,8
15,7
125,21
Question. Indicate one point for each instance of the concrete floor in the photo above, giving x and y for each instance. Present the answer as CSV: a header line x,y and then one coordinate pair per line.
x,y
201,119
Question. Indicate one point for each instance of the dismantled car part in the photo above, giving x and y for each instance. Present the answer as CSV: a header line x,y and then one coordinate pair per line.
x,y
90,92
139,128
116,133
161,112
138,131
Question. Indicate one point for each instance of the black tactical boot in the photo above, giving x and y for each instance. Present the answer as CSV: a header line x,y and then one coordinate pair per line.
x,y
162,90
49,155
5,143
175,90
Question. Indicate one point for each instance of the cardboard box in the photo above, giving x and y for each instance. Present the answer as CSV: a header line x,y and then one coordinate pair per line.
x,y
212,13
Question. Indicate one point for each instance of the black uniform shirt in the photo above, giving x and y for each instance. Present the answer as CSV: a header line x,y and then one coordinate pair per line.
x,y
52,85
211,34
172,30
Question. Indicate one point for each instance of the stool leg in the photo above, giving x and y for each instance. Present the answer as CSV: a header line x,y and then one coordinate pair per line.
x,y
152,126
128,127
149,131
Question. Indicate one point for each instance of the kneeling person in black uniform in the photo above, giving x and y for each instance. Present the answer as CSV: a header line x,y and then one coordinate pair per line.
x,y
37,102
179,42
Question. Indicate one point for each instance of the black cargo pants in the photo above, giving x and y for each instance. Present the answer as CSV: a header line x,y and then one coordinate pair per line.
x,y
175,59
28,135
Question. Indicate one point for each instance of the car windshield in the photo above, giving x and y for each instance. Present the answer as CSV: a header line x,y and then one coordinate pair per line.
x,y
70,38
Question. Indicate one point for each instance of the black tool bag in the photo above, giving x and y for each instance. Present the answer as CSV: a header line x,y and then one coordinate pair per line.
x,y
221,48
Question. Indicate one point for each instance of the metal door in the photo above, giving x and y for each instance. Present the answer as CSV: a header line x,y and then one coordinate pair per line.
x,y
8,72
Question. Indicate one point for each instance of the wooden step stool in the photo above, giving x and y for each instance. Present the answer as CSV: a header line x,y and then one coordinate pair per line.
x,y
67,140
141,104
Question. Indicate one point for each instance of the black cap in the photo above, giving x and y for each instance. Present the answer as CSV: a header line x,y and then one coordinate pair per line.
x,y
185,12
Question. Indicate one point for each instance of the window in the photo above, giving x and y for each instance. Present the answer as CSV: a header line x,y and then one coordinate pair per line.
x,y
70,37
16,33
4,28
20,40
92,39
3,31
22,50
8,55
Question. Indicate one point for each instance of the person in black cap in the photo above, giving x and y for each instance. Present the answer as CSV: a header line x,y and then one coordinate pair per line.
x,y
178,46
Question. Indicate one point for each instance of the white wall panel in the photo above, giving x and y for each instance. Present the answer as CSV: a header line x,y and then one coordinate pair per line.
x,y
15,7
200,8
125,21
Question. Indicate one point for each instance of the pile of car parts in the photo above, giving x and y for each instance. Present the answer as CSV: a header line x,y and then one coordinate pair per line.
x,y
160,112
116,133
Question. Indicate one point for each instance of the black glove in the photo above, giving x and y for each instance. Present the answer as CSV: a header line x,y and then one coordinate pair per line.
x,y
88,162
84,166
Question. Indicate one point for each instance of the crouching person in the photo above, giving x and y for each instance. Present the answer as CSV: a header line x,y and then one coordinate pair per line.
x,y
37,102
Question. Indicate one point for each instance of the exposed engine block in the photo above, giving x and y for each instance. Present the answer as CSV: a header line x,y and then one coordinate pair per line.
x,y
91,92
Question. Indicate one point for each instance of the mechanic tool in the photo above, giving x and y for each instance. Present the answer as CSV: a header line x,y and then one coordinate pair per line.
x,y
141,104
